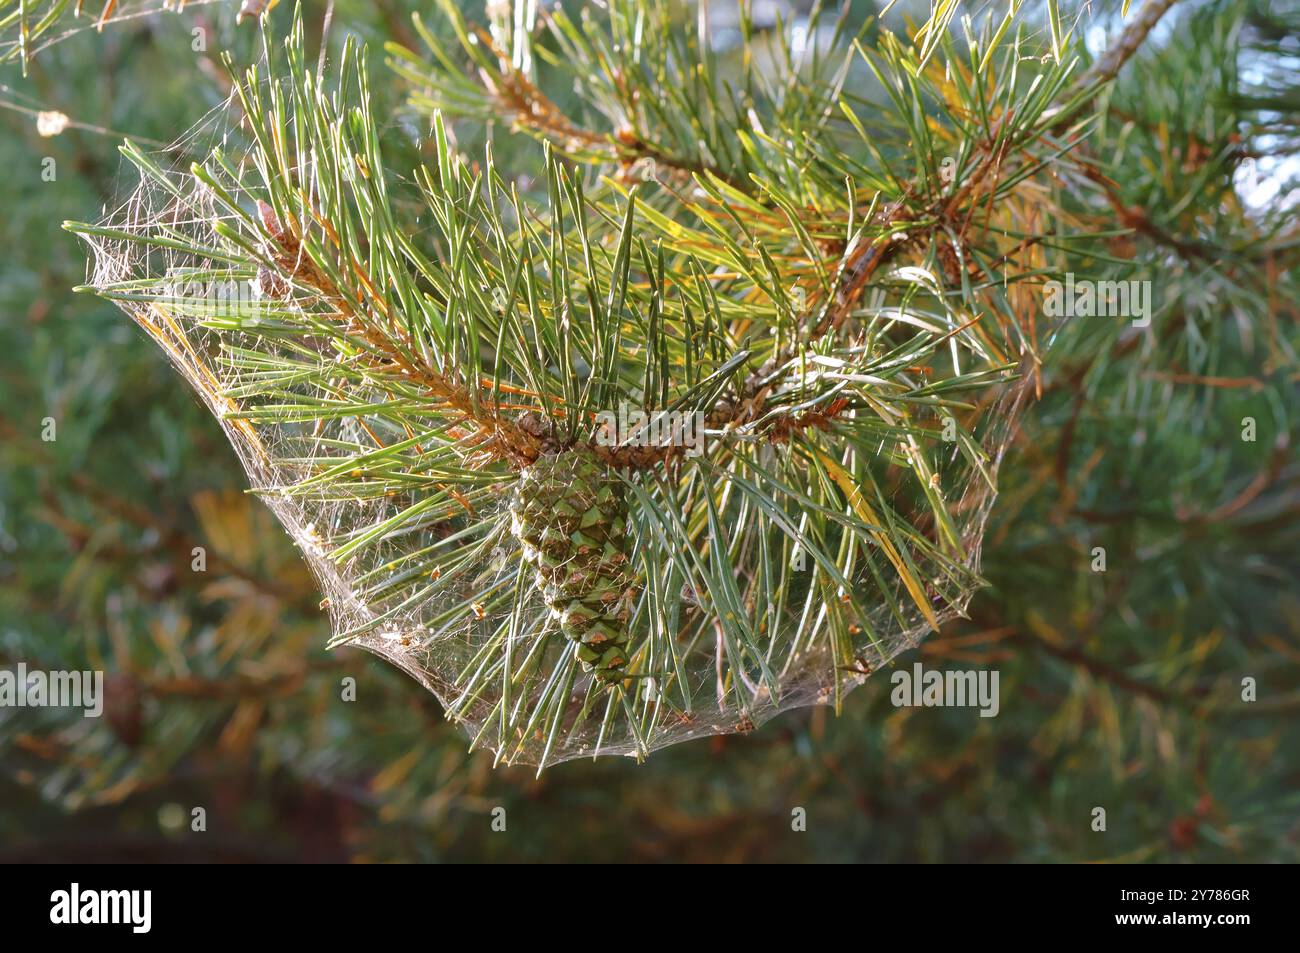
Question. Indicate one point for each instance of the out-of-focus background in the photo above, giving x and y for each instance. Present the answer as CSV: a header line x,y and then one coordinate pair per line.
x,y
1120,689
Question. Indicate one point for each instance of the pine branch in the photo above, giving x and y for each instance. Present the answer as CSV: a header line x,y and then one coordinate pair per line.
x,y
403,389
1107,68
1135,33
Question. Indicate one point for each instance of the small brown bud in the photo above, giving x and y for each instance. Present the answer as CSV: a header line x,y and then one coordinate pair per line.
x,y
269,221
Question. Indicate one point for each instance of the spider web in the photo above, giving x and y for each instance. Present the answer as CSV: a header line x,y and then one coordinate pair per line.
x,y
91,17
405,582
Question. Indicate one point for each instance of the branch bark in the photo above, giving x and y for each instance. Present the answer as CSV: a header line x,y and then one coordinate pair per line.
x,y
1112,61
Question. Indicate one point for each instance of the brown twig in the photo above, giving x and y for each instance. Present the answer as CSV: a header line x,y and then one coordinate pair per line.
x,y
493,433
1134,35
527,106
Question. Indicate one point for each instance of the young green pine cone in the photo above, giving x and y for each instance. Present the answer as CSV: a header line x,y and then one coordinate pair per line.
x,y
569,513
